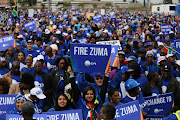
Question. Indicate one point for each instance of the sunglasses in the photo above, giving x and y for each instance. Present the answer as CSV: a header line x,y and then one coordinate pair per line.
x,y
150,56
100,78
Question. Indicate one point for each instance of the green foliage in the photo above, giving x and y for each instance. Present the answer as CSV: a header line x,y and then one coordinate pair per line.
x,y
94,5
27,2
43,5
81,4
109,4
67,4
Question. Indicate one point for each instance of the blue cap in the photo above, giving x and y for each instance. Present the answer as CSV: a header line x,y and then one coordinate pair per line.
x,y
19,97
29,41
91,31
17,44
148,43
130,58
131,83
5,32
124,69
98,74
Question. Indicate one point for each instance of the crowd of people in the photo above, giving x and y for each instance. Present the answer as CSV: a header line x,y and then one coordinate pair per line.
x,y
39,70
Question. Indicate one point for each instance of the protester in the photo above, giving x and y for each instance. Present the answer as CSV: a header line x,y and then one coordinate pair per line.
x,y
4,86
3,69
107,112
27,109
28,68
21,57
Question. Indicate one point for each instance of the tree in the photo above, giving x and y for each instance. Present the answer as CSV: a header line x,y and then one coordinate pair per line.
x,y
67,4
43,5
81,5
94,5
27,2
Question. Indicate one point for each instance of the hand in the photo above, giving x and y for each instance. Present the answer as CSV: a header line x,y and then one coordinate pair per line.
x,y
69,70
108,73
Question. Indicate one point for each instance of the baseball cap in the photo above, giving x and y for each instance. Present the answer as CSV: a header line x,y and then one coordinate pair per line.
x,y
98,74
149,53
47,31
2,59
171,32
148,44
160,33
142,50
161,58
169,55
20,36
37,92
131,58
40,57
166,68
54,46
58,32
124,69
178,62
121,53
29,41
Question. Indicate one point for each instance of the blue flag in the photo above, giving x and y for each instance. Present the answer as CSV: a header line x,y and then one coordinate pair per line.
x,y
90,58
7,41
30,26
165,29
159,105
114,52
97,18
19,117
105,18
6,104
128,111
39,33
64,115
113,18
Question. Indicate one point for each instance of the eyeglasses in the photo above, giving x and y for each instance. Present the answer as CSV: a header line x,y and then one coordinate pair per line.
x,y
99,78
150,56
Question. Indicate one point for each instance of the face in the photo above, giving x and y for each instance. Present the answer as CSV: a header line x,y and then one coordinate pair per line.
x,y
99,80
38,67
156,77
171,59
137,37
165,74
11,51
115,97
61,64
20,56
54,51
16,68
19,104
2,64
125,49
29,61
1,89
162,62
62,101
89,96
149,57
29,46
121,58
102,115
18,48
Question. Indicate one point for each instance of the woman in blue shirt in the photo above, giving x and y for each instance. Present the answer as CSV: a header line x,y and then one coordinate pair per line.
x,y
62,103
19,100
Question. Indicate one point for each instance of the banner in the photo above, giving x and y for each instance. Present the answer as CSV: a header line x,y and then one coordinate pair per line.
x,y
6,104
114,52
97,18
7,41
90,58
128,111
19,117
113,18
65,115
165,29
39,33
159,105
158,117
177,48
103,11
30,26
30,13
112,42
4,17
105,18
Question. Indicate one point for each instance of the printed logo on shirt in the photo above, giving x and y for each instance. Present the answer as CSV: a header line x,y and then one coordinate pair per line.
x,y
14,81
49,66
37,84
1,76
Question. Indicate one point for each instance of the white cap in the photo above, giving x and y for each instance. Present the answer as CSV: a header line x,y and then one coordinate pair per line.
x,y
160,33
37,92
169,55
68,29
58,32
2,59
65,34
161,58
40,57
105,31
160,43
54,46
152,28
17,24
151,25
171,32
47,31
20,36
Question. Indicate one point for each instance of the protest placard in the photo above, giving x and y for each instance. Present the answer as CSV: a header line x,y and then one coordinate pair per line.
x,y
90,58
19,117
4,17
155,117
177,48
65,115
7,41
90,14
112,42
97,18
39,33
30,26
30,13
6,104
159,105
114,52
129,111
103,11
165,29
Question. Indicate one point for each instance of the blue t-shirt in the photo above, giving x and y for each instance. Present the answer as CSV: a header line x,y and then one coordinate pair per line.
x,y
50,63
61,83
15,79
26,70
33,53
142,80
155,90
3,72
165,82
39,82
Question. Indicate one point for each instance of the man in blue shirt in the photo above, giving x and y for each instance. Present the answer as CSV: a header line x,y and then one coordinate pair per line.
x,y
50,58
30,49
